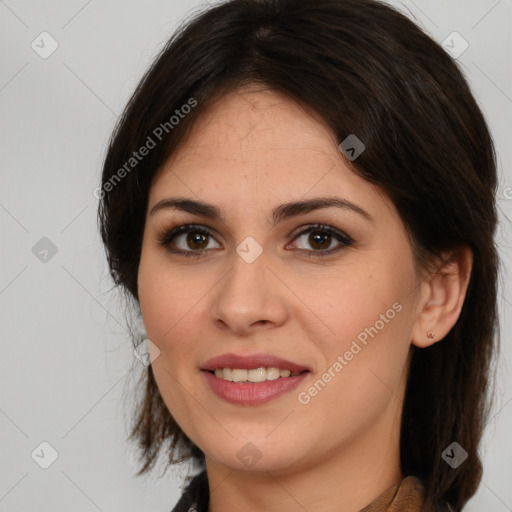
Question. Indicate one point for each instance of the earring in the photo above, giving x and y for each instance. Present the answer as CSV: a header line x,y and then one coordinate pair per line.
x,y
431,335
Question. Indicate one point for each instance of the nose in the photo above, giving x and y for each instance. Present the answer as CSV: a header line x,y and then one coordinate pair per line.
x,y
249,298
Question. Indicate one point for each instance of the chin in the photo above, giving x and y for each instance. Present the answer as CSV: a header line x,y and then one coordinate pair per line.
x,y
251,456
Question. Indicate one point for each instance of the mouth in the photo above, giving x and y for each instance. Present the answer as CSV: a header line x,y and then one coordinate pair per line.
x,y
252,379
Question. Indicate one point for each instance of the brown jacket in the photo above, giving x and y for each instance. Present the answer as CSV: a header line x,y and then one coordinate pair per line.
x,y
407,496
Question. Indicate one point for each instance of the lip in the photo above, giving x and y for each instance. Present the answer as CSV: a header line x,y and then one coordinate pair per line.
x,y
252,393
252,361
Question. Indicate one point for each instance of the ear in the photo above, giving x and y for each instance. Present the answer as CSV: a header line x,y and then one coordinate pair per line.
x,y
442,297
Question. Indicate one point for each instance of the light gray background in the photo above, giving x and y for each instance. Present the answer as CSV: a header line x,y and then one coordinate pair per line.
x,y
65,363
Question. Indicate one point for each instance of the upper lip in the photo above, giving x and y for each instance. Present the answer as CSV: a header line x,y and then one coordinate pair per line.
x,y
251,361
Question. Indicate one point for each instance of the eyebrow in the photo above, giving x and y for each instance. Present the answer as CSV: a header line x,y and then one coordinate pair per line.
x,y
280,213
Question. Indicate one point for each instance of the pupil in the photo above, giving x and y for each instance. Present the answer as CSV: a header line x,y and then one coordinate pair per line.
x,y
194,238
317,239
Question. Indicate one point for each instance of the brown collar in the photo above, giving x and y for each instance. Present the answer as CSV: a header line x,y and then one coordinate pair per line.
x,y
406,496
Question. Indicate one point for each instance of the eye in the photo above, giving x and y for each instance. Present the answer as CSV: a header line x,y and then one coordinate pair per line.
x,y
193,244
321,237
193,241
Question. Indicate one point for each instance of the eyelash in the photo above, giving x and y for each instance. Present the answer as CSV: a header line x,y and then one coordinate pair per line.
x,y
168,236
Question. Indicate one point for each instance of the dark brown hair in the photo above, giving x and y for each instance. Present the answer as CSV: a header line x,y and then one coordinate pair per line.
x,y
366,69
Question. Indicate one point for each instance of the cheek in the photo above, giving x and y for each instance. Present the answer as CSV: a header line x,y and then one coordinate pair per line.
x,y
166,303
170,301
157,296
152,300
354,298
367,311
363,362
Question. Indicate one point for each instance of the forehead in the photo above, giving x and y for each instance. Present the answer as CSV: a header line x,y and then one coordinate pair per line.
x,y
255,128
260,148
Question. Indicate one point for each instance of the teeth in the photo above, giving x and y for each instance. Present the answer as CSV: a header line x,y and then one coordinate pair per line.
x,y
253,375
257,375
239,375
273,373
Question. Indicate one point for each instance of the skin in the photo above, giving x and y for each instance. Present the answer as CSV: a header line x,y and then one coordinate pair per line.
x,y
254,150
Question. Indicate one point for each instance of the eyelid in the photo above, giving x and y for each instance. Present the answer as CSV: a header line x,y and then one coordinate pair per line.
x,y
170,233
319,226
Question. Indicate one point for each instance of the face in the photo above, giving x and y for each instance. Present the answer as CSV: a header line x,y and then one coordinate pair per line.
x,y
330,290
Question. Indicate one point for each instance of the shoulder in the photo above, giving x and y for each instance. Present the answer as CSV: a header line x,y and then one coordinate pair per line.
x,y
196,495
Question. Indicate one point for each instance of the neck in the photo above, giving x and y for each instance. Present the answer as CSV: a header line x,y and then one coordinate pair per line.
x,y
346,479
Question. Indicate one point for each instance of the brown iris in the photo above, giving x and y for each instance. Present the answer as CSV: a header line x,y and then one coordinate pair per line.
x,y
196,238
316,237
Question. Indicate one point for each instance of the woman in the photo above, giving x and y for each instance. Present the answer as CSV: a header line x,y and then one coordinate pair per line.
x,y
299,197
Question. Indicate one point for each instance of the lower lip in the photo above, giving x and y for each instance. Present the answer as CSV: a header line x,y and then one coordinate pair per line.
x,y
252,393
